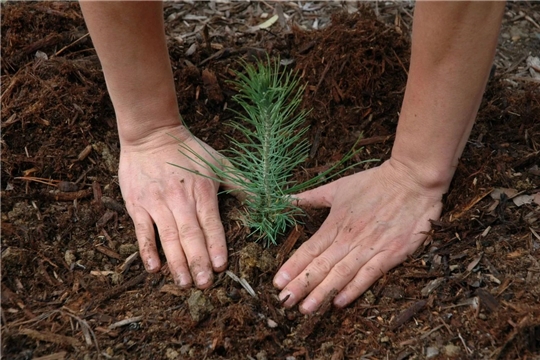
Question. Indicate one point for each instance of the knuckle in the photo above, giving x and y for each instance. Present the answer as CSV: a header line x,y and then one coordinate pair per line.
x,y
168,234
189,231
373,272
212,225
344,269
322,264
154,189
143,231
356,286
179,266
312,248
204,187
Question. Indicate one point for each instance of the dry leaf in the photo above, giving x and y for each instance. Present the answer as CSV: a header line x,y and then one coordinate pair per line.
x,y
268,22
523,199
496,193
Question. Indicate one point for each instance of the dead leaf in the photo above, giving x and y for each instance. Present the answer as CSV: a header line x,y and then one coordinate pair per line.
x,y
523,199
268,22
496,193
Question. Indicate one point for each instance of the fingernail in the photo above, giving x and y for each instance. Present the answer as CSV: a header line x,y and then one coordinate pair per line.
x,y
281,280
309,305
340,301
151,264
183,280
202,278
218,261
286,298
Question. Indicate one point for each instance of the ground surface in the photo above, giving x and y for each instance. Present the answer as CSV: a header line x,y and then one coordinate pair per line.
x,y
473,290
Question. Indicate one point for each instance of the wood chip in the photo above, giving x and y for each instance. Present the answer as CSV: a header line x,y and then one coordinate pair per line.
x,y
84,154
67,186
56,356
305,329
487,300
51,338
288,244
173,290
474,262
109,252
211,86
68,196
127,263
432,286
408,313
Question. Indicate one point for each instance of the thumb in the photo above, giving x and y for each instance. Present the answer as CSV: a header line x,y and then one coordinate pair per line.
x,y
321,196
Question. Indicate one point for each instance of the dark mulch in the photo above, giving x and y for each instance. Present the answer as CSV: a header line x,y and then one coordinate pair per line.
x,y
472,291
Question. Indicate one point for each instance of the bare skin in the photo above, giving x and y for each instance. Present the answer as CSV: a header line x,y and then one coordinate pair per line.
x,y
130,41
377,216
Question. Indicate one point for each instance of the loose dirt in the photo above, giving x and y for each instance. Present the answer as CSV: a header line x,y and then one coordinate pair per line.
x,y
74,287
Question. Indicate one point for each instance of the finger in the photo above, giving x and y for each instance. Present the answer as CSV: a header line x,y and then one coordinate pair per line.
x,y
368,274
321,196
212,228
193,243
317,274
340,275
170,241
144,231
305,254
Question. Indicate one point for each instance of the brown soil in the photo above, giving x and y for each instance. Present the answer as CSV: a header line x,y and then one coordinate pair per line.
x,y
473,290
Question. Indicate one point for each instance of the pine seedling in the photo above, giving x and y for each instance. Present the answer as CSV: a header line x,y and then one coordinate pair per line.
x,y
273,146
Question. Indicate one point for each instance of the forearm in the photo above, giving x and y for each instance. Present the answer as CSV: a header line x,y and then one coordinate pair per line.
x,y
130,41
452,51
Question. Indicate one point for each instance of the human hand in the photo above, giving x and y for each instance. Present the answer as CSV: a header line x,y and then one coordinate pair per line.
x,y
378,217
183,205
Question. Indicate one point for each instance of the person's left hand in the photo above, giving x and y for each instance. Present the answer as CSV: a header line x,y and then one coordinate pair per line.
x,y
378,217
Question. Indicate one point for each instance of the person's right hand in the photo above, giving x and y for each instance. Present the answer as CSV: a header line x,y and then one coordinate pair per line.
x,y
181,204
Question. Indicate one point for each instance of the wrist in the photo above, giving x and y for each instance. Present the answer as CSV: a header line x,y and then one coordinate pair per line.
x,y
139,120
137,133
434,179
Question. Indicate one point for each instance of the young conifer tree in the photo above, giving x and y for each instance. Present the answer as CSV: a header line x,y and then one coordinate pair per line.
x,y
273,146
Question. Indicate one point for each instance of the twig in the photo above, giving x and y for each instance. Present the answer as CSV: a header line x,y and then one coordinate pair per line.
x,y
69,45
323,75
464,344
117,290
125,322
400,63
70,196
469,206
529,19
430,332
50,337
